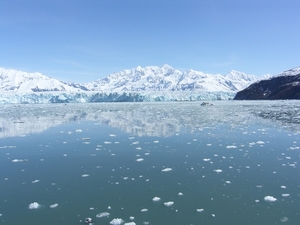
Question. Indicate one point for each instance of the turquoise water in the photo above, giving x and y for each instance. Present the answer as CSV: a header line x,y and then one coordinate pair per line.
x,y
230,163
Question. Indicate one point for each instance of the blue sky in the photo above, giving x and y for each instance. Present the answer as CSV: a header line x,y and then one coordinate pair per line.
x,y
85,40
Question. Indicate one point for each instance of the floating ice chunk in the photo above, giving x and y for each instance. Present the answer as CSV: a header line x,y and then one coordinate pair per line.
x,y
213,215
270,199
285,195
131,217
156,199
34,205
283,186
166,169
53,205
168,203
103,214
180,193
130,223
139,159
85,175
200,210
17,160
227,182
218,171
107,142
231,146
138,148
206,160
284,219
78,130
112,135
260,142
144,210
35,181
155,141
256,200
135,143
116,221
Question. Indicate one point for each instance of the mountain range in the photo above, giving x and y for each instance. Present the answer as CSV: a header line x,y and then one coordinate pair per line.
x,y
285,85
150,78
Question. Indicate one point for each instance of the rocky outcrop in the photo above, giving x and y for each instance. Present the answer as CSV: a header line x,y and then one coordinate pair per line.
x,y
279,87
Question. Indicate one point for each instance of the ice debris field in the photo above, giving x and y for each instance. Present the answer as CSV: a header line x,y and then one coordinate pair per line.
x,y
232,163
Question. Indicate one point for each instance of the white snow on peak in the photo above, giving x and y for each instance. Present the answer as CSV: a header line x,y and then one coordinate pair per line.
x,y
23,82
156,78
291,72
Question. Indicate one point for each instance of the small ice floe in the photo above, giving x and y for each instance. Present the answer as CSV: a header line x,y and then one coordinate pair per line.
x,y
256,200
283,186
17,160
88,220
168,203
206,160
139,160
78,130
103,214
227,182
180,193
284,219
231,146
213,215
34,205
85,175
166,169
294,148
53,205
260,142
200,210
156,199
270,199
35,181
285,195
116,221
112,135
130,223
135,143
218,171
86,139
107,142
144,210
155,141
138,148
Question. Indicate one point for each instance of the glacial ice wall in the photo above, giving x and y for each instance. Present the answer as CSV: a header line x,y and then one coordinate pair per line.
x,y
89,97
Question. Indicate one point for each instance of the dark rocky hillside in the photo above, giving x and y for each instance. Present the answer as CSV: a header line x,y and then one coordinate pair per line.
x,y
280,87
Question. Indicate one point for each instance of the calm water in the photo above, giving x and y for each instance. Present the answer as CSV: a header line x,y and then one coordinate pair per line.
x,y
150,163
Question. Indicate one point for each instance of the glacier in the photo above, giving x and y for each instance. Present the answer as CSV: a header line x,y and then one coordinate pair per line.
x,y
92,97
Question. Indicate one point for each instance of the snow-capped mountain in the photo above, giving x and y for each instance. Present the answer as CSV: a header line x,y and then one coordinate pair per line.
x,y
148,79
291,72
285,85
21,82
155,78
